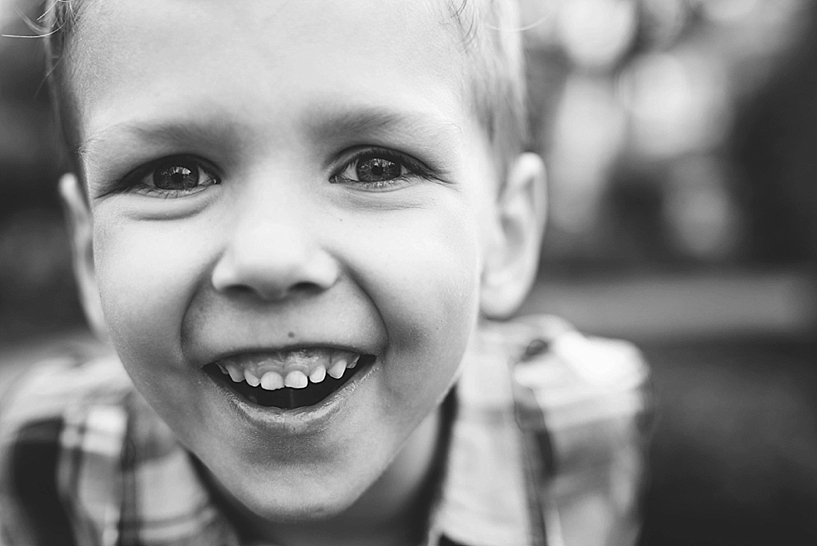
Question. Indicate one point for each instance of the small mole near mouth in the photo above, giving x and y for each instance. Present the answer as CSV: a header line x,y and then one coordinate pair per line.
x,y
291,335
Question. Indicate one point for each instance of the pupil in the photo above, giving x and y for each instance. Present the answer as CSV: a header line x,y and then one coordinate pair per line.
x,y
378,169
176,177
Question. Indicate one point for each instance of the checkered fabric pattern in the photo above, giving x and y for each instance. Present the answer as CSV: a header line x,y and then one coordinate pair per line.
x,y
546,449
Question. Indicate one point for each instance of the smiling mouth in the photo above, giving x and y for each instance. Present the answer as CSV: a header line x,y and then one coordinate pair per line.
x,y
290,379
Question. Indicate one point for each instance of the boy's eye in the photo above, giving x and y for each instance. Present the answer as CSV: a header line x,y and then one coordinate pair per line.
x,y
181,176
171,177
379,169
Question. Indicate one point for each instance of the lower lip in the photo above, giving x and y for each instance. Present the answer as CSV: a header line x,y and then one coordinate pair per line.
x,y
304,420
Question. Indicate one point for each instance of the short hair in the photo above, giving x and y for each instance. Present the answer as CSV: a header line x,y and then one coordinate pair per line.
x,y
490,39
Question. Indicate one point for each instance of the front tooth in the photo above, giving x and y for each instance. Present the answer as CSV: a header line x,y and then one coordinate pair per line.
x,y
318,375
272,381
338,368
251,378
296,379
235,374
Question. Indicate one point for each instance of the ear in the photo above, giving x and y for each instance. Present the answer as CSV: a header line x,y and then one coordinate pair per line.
x,y
512,253
80,230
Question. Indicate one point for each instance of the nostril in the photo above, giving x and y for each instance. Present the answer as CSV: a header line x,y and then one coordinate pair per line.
x,y
270,290
239,290
306,287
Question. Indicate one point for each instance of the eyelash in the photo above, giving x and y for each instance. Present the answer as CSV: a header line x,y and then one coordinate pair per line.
x,y
134,181
409,168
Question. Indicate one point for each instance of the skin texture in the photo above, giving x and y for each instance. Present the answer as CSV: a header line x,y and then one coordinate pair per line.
x,y
280,245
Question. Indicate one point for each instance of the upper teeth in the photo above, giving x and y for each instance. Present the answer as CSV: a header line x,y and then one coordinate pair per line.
x,y
338,368
293,369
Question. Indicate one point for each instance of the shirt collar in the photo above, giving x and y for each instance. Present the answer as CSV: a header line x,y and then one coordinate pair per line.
x,y
484,500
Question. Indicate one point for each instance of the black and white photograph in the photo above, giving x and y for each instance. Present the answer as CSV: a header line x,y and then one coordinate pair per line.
x,y
408,272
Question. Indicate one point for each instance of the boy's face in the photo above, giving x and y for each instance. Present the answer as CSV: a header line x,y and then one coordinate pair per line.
x,y
272,176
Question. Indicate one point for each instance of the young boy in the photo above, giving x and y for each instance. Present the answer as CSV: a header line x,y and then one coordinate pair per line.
x,y
287,218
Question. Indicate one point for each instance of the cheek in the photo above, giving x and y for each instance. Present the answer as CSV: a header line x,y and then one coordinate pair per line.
x,y
432,267
147,273
424,279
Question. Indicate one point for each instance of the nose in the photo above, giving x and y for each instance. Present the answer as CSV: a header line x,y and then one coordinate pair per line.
x,y
274,261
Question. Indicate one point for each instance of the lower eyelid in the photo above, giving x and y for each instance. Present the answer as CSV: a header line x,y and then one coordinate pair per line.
x,y
393,184
166,194
143,189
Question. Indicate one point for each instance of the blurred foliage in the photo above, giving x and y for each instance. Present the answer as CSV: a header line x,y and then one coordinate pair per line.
x,y
681,133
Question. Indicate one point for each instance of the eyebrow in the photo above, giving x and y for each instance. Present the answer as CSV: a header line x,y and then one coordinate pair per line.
x,y
210,133
327,123
333,125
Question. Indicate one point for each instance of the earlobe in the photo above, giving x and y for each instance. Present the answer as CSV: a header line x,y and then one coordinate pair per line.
x,y
512,257
80,229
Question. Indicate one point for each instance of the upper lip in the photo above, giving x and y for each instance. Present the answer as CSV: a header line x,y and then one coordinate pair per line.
x,y
254,352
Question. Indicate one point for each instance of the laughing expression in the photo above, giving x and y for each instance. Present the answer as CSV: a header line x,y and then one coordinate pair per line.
x,y
287,202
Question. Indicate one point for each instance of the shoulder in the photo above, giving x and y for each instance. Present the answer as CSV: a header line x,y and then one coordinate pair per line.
x,y
574,379
52,394
578,379
578,406
547,439
582,402
46,413
51,387
82,450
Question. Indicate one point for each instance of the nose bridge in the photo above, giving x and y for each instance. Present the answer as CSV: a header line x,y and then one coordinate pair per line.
x,y
274,247
270,195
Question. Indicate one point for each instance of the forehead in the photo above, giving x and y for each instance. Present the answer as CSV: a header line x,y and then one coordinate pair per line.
x,y
154,57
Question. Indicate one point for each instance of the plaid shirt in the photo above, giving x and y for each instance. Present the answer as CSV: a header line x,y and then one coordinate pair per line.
x,y
546,448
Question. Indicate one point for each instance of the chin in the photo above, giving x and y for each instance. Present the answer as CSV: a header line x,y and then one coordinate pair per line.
x,y
298,503
303,512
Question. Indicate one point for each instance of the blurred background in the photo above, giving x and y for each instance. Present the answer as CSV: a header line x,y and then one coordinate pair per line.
x,y
681,140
